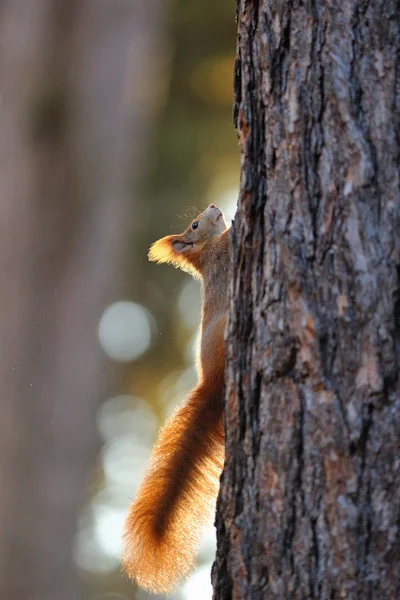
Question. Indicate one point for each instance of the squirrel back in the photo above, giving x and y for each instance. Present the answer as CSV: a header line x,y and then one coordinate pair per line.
x,y
178,494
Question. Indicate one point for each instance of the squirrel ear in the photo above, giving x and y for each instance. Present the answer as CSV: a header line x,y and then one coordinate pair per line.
x,y
179,245
167,249
173,249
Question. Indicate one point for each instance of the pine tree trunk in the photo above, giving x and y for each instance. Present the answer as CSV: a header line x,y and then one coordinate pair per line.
x,y
310,498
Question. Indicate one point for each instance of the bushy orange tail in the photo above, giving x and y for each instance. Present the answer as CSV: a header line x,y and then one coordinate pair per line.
x,y
177,495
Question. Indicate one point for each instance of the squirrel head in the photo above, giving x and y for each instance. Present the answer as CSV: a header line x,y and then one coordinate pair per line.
x,y
187,249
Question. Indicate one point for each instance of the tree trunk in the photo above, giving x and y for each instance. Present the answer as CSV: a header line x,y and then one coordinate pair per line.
x,y
71,143
310,498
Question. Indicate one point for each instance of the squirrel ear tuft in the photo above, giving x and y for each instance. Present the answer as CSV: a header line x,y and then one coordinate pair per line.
x,y
167,249
160,251
175,250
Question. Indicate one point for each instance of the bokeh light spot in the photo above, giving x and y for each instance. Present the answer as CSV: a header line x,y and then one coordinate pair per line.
x,y
125,331
127,416
198,586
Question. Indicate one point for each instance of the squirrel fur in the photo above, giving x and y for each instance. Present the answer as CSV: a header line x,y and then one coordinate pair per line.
x,y
178,494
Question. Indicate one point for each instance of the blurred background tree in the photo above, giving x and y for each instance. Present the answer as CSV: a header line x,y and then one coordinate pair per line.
x,y
116,124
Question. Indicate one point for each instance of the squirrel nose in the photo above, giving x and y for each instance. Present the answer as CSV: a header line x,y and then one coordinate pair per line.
x,y
212,206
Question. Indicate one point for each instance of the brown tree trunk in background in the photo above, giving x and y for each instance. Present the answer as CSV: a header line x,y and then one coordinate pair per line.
x,y
75,110
310,499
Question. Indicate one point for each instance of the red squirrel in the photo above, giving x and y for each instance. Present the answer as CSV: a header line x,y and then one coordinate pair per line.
x,y
180,487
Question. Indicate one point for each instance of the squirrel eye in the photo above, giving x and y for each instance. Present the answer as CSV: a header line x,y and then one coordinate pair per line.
x,y
195,225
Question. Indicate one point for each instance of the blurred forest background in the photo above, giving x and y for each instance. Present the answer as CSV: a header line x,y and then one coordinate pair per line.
x,y
115,130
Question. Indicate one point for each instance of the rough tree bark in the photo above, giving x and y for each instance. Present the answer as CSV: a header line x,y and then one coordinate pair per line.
x,y
310,497
72,145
